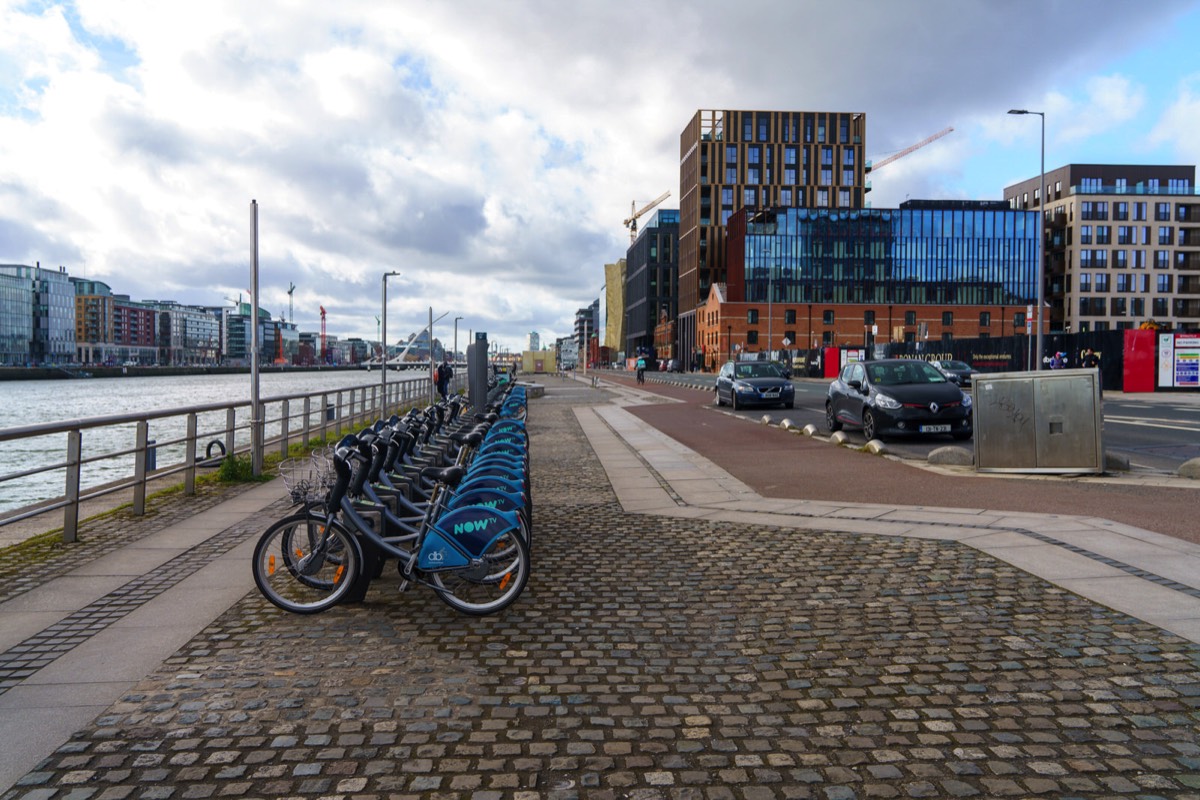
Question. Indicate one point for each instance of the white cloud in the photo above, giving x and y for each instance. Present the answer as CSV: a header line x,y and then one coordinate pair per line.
x,y
1177,126
487,150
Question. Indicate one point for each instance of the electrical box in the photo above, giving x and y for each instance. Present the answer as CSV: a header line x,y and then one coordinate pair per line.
x,y
1049,421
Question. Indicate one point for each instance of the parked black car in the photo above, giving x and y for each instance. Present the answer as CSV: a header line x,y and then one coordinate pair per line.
x,y
957,371
897,396
747,383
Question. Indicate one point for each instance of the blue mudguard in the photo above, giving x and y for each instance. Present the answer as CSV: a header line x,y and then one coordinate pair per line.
x,y
463,534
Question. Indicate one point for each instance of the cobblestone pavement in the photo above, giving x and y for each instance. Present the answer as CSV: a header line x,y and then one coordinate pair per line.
x,y
655,657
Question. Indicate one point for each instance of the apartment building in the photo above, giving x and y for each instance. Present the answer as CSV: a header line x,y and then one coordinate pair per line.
x,y
1122,245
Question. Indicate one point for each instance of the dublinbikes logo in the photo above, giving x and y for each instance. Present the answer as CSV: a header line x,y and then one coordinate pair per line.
x,y
471,526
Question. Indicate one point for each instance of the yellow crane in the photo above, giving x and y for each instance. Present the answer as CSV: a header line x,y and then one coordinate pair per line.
x,y
910,149
634,213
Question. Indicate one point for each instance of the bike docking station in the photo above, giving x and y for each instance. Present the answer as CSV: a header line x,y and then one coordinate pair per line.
x,y
444,494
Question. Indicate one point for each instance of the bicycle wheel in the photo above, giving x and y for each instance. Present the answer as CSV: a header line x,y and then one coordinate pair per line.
x,y
304,567
492,583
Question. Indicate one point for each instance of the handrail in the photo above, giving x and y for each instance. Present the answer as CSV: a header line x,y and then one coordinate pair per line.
x,y
319,412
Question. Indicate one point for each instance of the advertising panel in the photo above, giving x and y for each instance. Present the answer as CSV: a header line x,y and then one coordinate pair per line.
x,y
1179,361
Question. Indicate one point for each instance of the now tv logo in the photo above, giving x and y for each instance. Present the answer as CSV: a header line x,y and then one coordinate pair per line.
x,y
471,526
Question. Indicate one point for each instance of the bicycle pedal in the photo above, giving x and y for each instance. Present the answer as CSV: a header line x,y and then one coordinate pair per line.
x,y
404,584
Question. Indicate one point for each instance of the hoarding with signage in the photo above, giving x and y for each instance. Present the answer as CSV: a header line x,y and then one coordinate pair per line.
x,y
1179,361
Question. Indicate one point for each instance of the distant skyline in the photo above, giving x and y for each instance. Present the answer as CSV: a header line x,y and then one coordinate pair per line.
x,y
490,151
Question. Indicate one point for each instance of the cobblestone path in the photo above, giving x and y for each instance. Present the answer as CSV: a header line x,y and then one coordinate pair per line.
x,y
653,657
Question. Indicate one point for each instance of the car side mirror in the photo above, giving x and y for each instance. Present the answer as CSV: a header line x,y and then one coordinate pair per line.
x,y
856,383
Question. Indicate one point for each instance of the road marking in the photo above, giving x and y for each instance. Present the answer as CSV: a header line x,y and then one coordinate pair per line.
x,y
1152,423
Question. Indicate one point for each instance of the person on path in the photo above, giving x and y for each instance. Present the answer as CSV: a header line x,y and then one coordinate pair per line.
x,y
641,369
444,374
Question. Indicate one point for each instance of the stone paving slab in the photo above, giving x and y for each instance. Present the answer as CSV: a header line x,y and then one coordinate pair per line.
x,y
657,656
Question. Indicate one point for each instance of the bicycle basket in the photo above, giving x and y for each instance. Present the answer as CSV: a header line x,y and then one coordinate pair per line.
x,y
303,480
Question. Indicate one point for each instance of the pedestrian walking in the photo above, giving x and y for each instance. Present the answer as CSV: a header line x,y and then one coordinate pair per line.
x,y
444,374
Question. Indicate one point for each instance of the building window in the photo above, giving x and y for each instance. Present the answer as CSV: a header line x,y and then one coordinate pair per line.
x,y
751,337
1120,259
789,316
1117,307
868,318
910,318
1085,234
1159,306
1137,306
1164,284
1125,234
1085,282
1120,211
1139,211
985,319
947,317
843,198
1162,259
1162,212
822,198
1165,234
752,316
1019,319
827,316
1101,282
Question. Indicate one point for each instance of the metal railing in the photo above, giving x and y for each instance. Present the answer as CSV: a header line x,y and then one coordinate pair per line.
x,y
221,430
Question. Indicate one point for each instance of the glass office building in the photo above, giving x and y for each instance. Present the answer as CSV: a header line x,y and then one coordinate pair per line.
x,y
934,271
942,253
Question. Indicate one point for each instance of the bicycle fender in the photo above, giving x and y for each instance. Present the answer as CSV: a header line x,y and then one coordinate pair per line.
x,y
489,497
462,534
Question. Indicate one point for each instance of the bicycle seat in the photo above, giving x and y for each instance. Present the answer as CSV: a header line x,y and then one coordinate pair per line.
x,y
451,476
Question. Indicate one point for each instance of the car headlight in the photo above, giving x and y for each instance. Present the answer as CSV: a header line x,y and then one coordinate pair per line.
x,y
966,400
887,401
742,387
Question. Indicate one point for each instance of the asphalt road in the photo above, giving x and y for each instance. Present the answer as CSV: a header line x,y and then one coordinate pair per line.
x,y
777,464
1156,432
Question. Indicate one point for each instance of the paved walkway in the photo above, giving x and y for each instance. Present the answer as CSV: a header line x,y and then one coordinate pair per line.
x,y
682,636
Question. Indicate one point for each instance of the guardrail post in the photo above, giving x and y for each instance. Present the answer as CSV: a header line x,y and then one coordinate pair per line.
x,y
139,468
283,429
258,427
71,512
354,420
307,421
324,417
337,425
230,427
189,455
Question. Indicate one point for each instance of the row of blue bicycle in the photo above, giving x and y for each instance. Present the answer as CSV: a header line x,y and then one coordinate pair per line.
x,y
442,493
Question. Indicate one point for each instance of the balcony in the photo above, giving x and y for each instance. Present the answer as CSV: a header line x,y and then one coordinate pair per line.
x,y
1186,309
1188,285
1187,261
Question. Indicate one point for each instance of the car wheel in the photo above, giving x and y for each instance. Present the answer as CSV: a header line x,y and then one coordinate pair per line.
x,y
831,421
790,404
717,401
869,425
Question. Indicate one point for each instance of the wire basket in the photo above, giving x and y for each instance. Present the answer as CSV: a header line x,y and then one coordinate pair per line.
x,y
308,480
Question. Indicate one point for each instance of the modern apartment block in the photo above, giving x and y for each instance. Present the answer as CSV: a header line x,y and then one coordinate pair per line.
x,y
651,276
729,160
1122,245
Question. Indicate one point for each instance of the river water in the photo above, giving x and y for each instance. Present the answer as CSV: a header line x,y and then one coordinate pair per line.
x,y
24,403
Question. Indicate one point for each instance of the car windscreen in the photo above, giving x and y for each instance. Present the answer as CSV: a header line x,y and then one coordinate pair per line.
x,y
757,371
898,373
956,365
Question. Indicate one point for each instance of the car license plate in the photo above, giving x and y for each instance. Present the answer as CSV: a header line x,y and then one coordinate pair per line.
x,y
771,394
935,429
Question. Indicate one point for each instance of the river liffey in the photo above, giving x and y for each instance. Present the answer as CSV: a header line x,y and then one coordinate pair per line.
x,y
24,403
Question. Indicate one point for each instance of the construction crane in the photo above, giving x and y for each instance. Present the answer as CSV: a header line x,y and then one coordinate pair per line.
x,y
910,149
634,213
291,308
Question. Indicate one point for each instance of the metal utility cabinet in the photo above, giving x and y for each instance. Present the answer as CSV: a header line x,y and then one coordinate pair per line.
x,y
1048,421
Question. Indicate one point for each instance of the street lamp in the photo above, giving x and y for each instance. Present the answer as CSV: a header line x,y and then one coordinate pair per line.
x,y
1041,258
383,341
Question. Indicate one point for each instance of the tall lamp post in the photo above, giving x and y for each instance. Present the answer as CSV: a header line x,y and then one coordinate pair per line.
x,y
1041,257
383,341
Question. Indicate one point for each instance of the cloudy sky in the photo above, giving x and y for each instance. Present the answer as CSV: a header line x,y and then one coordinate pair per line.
x,y
489,149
